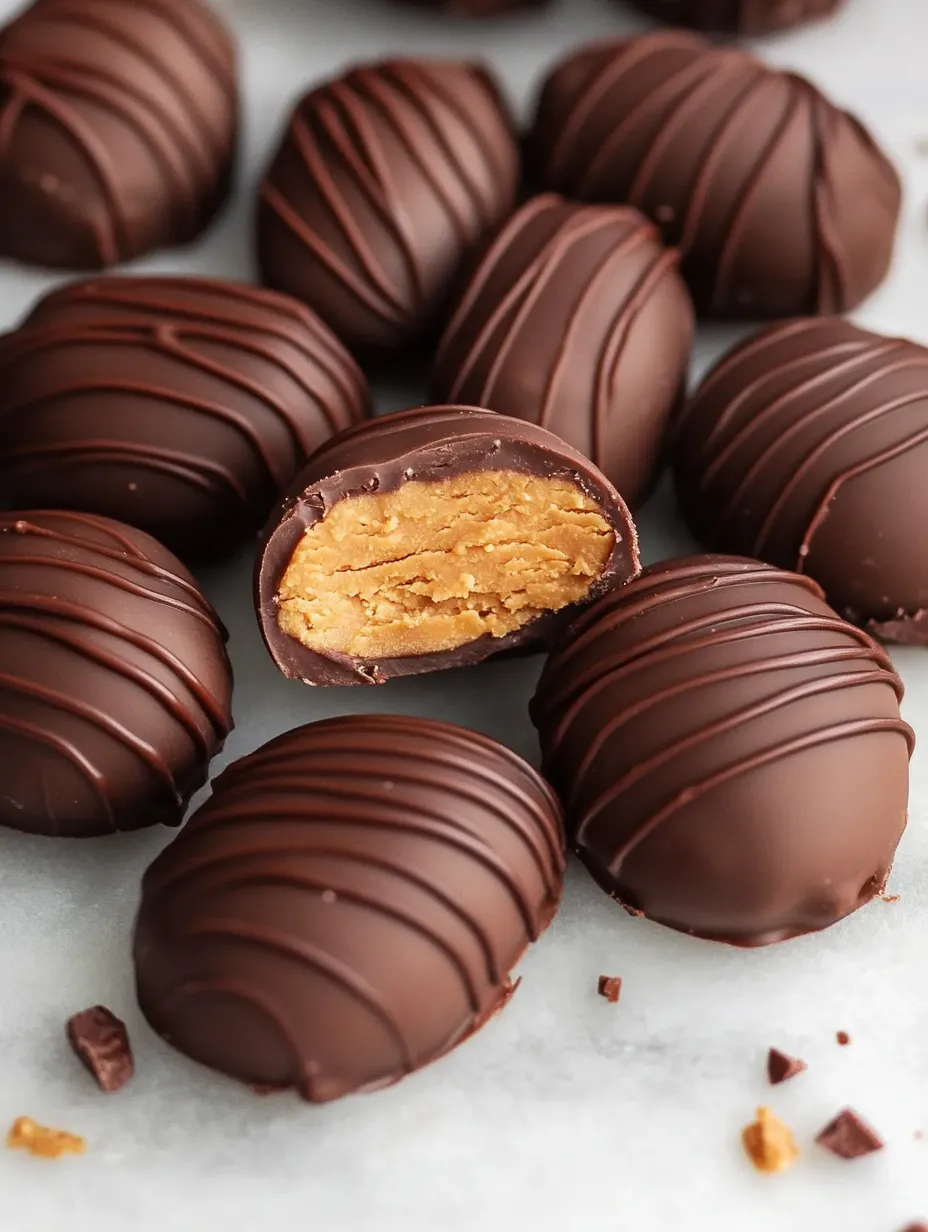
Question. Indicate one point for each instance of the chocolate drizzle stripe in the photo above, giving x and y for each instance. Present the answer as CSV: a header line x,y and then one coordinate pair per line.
x,y
810,740
195,604
142,749
302,951
824,446
270,874
427,824
61,745
55,632
759,711
251,996
254,853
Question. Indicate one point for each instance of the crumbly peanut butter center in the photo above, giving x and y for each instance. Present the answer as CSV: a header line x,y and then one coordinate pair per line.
x,y
432,566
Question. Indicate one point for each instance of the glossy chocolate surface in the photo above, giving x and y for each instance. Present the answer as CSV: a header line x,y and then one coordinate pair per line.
x,y
748,17
429,443
385,181
348,904
577,319
780,203
180,405
118,124
729,751
115,688
807,446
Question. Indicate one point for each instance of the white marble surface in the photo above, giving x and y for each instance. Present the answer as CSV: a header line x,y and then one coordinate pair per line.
x,y
564,1113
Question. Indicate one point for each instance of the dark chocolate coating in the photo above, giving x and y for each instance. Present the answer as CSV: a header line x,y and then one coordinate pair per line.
x,y
118,124
780,203
348,904
807,446
577,319
729,751
385,181
115,688
182,406
748,17
435,442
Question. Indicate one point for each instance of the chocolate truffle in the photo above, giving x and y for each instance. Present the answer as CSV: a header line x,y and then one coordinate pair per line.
x,y
728,750
348,904
807,446
385,181
118,124
435,538
115,688
180,405
739,16
779,203
576,319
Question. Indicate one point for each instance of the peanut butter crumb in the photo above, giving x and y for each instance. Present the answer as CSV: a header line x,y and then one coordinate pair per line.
x,y
431,566
769,1143
26,1135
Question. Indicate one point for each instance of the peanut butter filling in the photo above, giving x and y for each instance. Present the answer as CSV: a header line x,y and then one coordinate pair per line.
x,y
429,567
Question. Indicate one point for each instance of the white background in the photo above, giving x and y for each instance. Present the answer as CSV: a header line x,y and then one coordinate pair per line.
x,y
565,1112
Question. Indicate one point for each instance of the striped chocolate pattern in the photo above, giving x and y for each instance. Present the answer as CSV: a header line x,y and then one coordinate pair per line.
x,y
747,17
780,203
729,752
180,405
576,319
384,181
348,904
807,446
114,683
117,128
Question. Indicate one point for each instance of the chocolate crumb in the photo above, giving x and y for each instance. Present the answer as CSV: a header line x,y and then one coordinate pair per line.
x,y
610,987
890,898
918,1135
26,1135
843,1038
848,1137
781,1066
101,1042
769,1143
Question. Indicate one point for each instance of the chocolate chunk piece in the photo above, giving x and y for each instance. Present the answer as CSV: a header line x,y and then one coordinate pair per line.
x,y
843,1038
781,1067
119,123
806,446
780,203
577,319
115,688
434,538
101,1042
348,904
748,17
183,406
385,182
730,753
769,1143
610,987
848,1137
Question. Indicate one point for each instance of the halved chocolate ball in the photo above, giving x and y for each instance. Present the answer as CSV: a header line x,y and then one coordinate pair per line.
x,y
434,538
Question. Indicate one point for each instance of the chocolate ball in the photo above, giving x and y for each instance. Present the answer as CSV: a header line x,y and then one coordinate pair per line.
x,y
739,16
118,122
180,405
435,538
780,203
385,181
807,446
729,752
576,319
115,687
348,904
